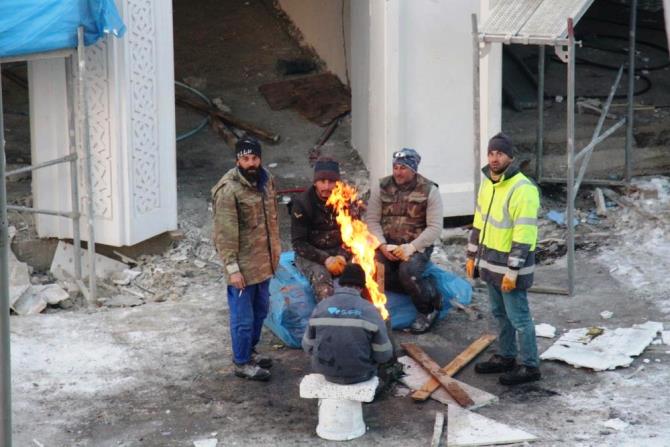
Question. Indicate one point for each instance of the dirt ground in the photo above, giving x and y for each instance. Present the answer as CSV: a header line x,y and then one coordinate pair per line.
x,y
160,374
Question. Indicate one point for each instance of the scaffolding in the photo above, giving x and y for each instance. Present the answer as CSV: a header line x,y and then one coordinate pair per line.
x,y
79,144
550,23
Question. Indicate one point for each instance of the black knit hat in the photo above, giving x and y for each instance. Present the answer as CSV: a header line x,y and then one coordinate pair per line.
x,y
501,143
326,168
353,275
247,145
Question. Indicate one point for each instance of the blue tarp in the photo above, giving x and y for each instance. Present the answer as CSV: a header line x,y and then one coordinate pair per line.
x,y
292,300
34,26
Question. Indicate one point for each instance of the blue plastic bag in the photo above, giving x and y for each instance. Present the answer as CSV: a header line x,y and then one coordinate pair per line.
x,y
292,300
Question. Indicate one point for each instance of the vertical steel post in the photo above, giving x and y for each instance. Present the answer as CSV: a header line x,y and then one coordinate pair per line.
x,y
631,90
539,149
476,121
5,354
74,174
88,171
571,158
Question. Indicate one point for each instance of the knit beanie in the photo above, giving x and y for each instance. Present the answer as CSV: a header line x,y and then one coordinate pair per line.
x,y
326,168
502,143
353,275
408,157
247,145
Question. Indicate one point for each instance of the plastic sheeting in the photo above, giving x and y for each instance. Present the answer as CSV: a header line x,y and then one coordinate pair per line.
x,y
34,26
292,300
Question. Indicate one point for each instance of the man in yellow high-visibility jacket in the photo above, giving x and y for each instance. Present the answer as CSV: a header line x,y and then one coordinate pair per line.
x,y
501,250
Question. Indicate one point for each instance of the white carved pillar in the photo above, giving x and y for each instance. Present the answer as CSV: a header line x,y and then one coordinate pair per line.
x,y
130,87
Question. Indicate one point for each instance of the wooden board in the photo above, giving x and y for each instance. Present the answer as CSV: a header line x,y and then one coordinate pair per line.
x,y
455,365
320,98
415,376
453,388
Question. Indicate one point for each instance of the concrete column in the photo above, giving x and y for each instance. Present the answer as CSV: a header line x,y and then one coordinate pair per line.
x,y
130,83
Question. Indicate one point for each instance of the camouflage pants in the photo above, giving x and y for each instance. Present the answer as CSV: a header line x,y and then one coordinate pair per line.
x,y
317,274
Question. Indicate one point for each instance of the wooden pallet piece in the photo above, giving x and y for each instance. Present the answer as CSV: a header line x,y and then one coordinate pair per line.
x,y
455,365
453,388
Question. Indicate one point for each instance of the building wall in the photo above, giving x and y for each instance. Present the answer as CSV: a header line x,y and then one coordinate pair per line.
x,y
325,25
130,84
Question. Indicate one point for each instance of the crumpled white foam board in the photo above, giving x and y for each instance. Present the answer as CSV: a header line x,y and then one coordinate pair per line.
x,y
612,349
466,428
545,330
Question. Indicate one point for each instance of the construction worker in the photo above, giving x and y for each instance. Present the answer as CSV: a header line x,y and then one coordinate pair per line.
x,y
246,236
501,250
346,337
405,215
315,234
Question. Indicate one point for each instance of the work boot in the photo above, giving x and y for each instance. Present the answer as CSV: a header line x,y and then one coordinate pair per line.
x,y
264,361
252,371
496,364
423,322
520,374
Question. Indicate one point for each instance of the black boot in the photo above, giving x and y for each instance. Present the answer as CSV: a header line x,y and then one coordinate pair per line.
x,y
496,364
520,374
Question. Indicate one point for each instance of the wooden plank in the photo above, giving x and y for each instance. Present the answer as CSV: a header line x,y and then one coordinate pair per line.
x,y
455,365
437,429
433,368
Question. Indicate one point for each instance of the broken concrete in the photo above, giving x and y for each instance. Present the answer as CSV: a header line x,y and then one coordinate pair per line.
x,y
122,301
545,330
609,350
62,266
466,428
19,274
30,303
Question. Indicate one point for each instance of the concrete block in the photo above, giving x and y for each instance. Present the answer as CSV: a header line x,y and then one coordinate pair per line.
x,y
315,386
62,266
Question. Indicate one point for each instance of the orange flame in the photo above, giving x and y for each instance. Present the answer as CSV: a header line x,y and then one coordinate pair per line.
x,y
358,239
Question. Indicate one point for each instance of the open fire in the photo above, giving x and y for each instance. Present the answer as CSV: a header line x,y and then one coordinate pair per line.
x,y
359,240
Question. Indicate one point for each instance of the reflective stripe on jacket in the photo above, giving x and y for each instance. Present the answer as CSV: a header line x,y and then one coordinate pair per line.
x,y
504,231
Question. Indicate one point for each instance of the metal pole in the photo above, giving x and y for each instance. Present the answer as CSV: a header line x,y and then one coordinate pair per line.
x,y
540,113
631,89
571,160
81,59
476,121
74,175
5,354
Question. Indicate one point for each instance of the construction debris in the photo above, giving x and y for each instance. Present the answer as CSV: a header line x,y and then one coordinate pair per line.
x,y
62,266
607,350
122,301
437,429
545,330
601,205
615,424
415,376
124,277
19,273
206,443
471,429
455,365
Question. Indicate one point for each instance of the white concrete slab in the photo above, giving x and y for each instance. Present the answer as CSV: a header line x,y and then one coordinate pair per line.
x,y
545,330
62,266
30,303
666,337
466,428
614,348
315,386
416,376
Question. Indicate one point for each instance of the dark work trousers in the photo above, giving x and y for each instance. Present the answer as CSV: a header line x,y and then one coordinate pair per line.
x,y
248,308
407,277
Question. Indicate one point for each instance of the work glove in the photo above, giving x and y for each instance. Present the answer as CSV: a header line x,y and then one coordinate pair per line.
x,y
335,264
404,251
509,281
470,268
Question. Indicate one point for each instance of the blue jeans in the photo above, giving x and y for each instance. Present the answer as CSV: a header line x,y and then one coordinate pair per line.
x,y
248,308
513,315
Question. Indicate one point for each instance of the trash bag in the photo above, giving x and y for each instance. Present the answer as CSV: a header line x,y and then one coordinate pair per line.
x,y
292,300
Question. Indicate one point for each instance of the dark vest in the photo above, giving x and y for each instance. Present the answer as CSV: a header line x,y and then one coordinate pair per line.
x,y
404,209
324,232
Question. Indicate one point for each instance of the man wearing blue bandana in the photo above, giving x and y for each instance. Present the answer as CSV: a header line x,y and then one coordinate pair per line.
x,y
405,214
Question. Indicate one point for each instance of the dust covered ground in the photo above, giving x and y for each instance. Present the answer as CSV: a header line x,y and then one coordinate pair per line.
x,y
159,374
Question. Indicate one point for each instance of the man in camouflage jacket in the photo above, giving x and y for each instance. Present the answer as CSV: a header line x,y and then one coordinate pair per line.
x,y
315,234
246,236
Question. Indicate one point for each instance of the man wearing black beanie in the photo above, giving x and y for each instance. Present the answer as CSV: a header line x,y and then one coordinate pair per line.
x,y
346,337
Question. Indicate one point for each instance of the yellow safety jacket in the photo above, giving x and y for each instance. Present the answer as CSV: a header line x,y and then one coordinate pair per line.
x,y
504,231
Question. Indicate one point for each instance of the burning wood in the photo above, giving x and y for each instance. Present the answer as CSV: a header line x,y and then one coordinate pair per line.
x,y
358,239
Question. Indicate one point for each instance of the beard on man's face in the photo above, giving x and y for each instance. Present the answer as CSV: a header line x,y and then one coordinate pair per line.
x,y
250,174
